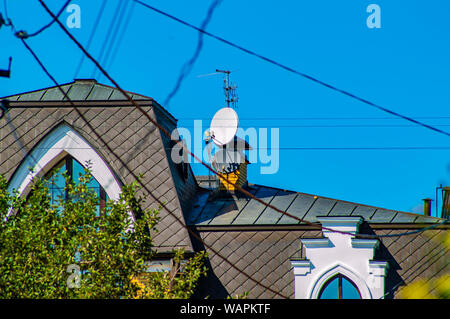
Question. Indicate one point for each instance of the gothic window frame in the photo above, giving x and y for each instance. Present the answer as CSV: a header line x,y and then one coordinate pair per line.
x,y
60,142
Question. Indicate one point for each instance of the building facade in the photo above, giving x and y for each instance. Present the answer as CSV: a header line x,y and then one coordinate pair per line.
x,y
42,130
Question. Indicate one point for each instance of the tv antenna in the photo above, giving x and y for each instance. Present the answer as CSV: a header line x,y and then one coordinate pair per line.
x,y
230,89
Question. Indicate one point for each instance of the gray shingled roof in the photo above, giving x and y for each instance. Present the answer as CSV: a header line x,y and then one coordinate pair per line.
x,y
236,209
137,144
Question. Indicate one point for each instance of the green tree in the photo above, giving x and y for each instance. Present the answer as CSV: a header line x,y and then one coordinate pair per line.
x,y
66,250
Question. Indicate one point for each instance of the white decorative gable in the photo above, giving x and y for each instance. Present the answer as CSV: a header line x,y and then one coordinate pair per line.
x,y
339,253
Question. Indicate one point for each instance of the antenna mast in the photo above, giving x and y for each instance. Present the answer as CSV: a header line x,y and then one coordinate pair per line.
x,y
230,90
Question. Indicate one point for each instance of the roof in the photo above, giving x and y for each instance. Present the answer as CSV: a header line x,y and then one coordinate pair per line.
x,y
137,146
237,209
78,90
86,90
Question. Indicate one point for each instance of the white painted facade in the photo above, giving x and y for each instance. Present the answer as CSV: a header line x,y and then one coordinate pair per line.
x,y
338,253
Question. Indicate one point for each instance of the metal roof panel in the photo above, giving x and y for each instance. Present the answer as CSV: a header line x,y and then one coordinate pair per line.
x,y
32,96
342,209
282,200
99,92
253,209
209,212
364,211
383,216
321,207
300,205
426,219
79,92
404,218
54,94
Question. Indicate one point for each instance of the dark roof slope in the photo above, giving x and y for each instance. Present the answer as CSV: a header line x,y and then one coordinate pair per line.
x,y
237,209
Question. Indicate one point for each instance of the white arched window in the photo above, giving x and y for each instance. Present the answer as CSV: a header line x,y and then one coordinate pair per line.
x,y
64,143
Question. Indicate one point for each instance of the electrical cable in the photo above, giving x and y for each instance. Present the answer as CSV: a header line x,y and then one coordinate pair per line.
x,y
122,33
50,23
314,118
108,36
144,186
187,67
117,28
163,130
91,37
157,125
292,70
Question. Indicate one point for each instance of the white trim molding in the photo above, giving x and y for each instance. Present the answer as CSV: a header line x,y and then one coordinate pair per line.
x,y
52,148
339,253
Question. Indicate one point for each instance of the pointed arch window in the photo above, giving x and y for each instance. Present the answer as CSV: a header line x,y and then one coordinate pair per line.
x,y
63,145
70,166
339,287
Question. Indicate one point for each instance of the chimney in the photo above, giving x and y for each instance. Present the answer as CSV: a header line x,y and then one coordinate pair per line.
x,y
446,203
232,163
427,206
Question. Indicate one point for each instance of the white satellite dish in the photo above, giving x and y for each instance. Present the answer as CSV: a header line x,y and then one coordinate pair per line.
x,y
224,126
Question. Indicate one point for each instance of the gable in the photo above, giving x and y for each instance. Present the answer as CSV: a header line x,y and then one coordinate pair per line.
x,y
133,145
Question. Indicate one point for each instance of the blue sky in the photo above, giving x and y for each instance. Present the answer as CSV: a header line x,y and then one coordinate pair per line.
x,y
403,66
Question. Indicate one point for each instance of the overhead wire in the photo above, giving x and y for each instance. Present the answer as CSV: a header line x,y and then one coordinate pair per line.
x,y
116,32
128,19
187,67
292,70
108,36
145,187
48,25
315,118
412,148
91,37
165,132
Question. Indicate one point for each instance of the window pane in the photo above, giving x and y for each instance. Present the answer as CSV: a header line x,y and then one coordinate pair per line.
x,y
331,290
78,170
57,182
348,290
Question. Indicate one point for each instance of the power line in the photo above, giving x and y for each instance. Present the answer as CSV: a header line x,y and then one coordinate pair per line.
x,y
48,25
292,70
399,148
187,67
328,125
138,180
117,28
108,36
164,131
91,37
122,33
315,118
